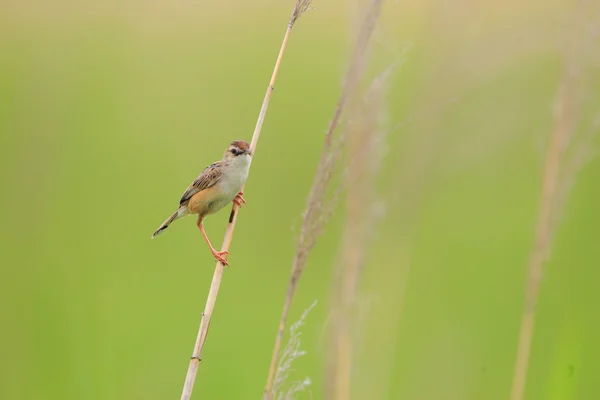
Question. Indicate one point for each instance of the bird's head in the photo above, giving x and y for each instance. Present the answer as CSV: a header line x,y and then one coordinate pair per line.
x,y
237,149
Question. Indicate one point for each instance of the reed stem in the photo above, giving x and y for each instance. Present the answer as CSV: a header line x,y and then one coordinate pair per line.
x,y
300,7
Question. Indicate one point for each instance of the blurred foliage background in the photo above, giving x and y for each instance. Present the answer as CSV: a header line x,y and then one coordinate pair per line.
x,y
108,110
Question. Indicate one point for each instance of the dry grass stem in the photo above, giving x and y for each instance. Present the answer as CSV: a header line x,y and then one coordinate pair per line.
x,y
557,178
300,7
541,243
318,205
365,135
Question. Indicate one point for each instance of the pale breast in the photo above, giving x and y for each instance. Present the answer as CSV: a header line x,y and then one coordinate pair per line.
x,y
231,182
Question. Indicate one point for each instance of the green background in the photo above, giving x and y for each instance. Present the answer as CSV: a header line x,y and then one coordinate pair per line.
x,y
108,110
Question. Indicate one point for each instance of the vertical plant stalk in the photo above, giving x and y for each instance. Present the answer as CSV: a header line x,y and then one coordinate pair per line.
x,y
300,7
314,218
556,179
541,244
317,211
366,140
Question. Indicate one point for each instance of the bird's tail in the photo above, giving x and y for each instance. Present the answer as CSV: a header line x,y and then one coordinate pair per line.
x,y
181,212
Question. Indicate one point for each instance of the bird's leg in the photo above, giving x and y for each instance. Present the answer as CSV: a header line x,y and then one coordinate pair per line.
x,y
239,200
218,254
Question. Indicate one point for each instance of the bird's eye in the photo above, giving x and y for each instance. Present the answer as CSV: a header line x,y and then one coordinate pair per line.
x,y
234,151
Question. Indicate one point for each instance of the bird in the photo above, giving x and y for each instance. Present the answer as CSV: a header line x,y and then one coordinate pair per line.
x,y
217,185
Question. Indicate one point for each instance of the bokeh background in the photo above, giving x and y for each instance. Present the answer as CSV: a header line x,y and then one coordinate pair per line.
x,y
109,109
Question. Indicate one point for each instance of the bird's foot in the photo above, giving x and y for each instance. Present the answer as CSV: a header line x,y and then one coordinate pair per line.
x,y
239,200
219,256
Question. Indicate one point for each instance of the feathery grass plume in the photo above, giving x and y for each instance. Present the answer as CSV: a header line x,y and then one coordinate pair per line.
x,y
300,7
291,352
365,135
556,180
321,202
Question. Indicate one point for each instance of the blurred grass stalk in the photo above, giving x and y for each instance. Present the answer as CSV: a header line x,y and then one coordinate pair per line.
x,y
543,233
364,133
321,202
299,8
559,173
366,137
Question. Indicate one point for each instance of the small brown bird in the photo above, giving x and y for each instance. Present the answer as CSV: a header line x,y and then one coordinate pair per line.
x,y
219,184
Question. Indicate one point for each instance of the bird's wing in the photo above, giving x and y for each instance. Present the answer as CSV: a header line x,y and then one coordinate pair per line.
x,y
208,178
